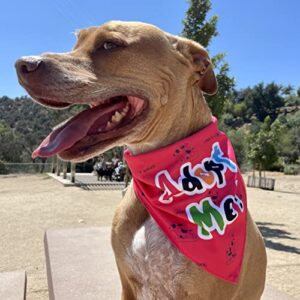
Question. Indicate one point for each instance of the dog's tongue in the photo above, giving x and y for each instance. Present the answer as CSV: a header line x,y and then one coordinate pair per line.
x,y
73,131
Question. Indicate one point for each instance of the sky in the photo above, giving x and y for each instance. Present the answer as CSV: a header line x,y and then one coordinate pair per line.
x,y
261,38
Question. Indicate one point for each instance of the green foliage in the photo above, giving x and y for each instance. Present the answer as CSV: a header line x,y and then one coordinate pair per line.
x,y
291,170
239,143
3,169
262,146
266,100
260,101
287,128
29,123
25,124
276,142
196,25
225,86
10,147
200,29
292,100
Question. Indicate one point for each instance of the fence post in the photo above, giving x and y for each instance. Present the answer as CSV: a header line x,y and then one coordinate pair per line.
x,y
58,167
64,163
73,171
54,162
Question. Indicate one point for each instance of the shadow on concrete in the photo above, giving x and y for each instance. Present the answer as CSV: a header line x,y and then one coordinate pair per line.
x,y
272,232
287,192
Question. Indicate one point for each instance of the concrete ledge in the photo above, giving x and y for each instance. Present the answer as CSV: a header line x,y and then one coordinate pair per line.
x,y
81,265
64,182
13,285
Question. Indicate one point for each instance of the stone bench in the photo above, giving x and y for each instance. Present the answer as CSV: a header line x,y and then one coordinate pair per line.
x,y
81,266
13,285
261,182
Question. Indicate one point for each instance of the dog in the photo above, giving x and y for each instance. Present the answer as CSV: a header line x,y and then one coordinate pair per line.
x,y
145,89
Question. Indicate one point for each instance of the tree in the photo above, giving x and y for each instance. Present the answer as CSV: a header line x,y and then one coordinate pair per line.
x,y
287,128
201,30
30,122
266,100
10,147
239,143
262,147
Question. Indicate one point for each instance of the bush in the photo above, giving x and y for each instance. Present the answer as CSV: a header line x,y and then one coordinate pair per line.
x,y
278,166
3,169
291,170
239,143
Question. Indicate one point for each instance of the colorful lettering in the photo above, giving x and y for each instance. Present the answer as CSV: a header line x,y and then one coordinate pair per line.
x,y
209,217
197,179
206,216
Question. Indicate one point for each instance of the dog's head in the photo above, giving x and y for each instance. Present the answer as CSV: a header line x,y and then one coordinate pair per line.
x,y
137,80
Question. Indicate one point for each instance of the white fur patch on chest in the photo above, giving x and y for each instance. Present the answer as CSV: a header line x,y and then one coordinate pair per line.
x,y
155,262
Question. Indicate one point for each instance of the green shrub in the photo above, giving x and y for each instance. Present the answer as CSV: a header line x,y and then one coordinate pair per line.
x,y
3,169
291,170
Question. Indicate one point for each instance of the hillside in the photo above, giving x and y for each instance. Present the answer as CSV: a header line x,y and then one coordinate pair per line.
x,y
266,114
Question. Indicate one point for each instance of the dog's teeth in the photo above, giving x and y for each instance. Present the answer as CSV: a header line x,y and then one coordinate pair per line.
x,y
117,117
114,119
109,125
125,110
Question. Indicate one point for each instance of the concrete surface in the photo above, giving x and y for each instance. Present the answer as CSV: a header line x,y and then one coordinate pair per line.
x,y
80,264
13,285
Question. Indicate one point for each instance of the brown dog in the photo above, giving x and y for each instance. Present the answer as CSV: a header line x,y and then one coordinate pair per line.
x,y
145,88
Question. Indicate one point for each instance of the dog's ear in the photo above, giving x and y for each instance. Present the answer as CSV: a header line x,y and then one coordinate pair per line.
x,y
208,82
200,60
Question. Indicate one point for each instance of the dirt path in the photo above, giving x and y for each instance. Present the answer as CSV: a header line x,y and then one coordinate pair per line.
x,y
31,204
277,215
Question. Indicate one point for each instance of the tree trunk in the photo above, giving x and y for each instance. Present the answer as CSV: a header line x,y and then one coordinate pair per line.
x,y
43,165
259,174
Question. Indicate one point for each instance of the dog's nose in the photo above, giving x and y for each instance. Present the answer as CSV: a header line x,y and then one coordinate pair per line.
x,y
28,65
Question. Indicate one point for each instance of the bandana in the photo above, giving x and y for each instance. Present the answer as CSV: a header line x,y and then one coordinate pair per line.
x,y
193,189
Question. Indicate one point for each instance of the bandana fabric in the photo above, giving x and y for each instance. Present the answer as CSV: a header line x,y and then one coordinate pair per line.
x,y
193,189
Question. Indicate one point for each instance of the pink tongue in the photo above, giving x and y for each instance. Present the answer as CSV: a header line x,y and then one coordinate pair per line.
x,y
74,130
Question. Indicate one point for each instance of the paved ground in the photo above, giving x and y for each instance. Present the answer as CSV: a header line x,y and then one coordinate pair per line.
x,y
31,204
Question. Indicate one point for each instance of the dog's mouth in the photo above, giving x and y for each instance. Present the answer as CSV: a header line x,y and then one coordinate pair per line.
x,y
103,122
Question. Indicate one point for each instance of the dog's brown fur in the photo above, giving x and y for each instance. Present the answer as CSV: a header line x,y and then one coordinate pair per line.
x,y
172,73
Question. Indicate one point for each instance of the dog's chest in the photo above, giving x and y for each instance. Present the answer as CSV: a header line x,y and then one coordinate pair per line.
x,y
156,263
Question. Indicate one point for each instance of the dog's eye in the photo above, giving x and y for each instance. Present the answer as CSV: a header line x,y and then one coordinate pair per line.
x,y
109,46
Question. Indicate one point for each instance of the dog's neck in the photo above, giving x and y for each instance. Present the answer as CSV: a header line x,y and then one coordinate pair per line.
x,y
188,120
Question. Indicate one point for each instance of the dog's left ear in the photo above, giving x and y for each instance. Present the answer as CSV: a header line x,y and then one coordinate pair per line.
x,y
200,60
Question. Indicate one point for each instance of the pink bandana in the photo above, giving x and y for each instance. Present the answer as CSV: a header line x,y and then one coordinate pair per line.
x,y
193,189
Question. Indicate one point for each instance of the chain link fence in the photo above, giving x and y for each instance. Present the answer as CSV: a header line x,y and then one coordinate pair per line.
x,y
25,168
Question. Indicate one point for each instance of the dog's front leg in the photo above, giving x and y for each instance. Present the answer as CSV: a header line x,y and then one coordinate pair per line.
x,y
128,284
128,290
129,216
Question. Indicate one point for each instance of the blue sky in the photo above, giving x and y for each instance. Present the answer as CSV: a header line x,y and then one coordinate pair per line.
x,y
261,38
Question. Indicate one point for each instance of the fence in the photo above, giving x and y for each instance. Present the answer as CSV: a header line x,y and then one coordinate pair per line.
x,y
261,182
24,168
